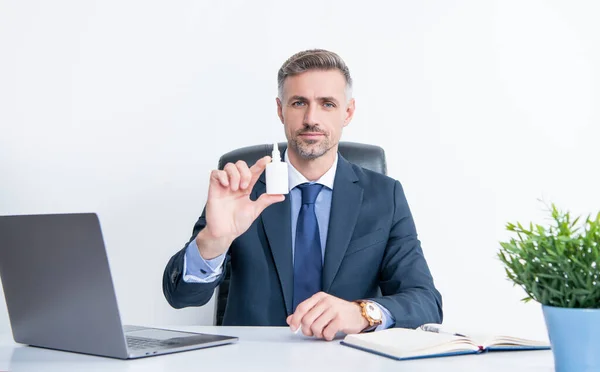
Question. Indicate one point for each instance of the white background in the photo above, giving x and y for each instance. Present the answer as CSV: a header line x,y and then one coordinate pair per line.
x,y
123,107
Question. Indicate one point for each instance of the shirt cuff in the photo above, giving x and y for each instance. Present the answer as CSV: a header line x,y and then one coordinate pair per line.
x,y
387,320
198,270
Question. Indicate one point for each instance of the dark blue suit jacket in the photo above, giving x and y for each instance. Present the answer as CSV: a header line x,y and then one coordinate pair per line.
x,y
372,251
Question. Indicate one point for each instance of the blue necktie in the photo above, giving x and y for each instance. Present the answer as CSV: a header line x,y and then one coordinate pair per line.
x,y
308,267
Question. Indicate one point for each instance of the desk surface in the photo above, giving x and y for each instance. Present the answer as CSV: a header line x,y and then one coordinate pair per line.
x,y
264,349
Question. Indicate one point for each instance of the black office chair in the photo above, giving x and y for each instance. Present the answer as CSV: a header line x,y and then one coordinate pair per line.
x,y
367,156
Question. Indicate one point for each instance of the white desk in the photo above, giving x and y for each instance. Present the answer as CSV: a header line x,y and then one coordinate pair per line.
x,y
264,349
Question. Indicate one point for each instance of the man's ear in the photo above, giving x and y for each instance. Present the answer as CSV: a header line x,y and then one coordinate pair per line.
x,y
279,109
350,112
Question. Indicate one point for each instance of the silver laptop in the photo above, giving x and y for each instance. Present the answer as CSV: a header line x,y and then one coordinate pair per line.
x,y
60,295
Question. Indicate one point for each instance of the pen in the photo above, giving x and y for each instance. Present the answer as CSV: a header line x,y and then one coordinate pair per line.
x,y
436,329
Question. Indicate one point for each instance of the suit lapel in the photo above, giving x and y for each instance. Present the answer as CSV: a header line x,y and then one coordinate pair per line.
x,y
276,220
345,206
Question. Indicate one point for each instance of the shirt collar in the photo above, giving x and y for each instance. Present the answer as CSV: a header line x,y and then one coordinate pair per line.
x,y
296,178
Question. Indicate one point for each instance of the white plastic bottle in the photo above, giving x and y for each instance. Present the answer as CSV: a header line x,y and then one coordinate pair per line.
x,y
277,174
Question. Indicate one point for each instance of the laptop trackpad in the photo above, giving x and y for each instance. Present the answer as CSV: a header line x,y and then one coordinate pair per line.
x,y
158,334
175,336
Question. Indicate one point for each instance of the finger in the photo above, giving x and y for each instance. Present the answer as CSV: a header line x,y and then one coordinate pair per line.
x,y
303,308
220,177
265,200
332,328
306,331
234,176
312,315
307,321
260,165
245,174
318,326
258,168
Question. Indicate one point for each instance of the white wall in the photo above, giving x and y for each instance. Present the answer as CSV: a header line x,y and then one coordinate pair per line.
x,y
123,108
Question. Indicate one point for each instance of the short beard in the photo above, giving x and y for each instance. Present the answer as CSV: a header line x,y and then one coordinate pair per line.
x,y
304,148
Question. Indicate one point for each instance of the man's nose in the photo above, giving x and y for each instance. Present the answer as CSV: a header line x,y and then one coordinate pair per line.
x,y
311,115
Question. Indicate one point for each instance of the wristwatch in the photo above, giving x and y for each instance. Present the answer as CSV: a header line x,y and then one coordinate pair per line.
x,y
371,313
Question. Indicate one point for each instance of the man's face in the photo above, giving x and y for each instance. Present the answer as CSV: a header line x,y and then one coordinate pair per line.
x,y
314,110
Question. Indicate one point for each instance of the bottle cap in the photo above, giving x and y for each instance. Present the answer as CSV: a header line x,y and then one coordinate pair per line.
x,y
275,156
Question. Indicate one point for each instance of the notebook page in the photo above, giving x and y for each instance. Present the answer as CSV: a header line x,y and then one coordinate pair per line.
x,y
402,343
510,341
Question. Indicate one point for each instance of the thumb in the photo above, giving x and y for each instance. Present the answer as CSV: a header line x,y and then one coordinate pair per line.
x,y
265,200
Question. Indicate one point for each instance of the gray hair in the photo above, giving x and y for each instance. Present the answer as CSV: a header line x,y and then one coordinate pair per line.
x,y
313,59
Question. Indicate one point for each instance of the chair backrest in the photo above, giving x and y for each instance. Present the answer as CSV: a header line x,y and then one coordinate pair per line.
x,y
367,156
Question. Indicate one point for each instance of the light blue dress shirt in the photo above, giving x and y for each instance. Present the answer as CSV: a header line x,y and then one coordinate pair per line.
x,y
198,270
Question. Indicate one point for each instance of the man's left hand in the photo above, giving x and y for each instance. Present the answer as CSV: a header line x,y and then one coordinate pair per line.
x,y
323,315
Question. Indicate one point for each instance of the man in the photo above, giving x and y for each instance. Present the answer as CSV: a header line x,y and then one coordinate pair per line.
x,y
339,253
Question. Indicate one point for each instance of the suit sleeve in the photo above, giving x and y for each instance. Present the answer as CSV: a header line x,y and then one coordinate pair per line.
x,y
178,292
405,280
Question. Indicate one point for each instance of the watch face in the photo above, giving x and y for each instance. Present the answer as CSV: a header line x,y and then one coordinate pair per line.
x,y
373,311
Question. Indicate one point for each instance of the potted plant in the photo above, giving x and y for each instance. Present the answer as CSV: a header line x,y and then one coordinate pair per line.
x,y
559,266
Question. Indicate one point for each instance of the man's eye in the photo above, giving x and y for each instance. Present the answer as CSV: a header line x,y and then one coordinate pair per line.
x,y
297,103
329,104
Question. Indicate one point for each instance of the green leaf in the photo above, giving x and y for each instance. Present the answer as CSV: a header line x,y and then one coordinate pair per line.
x,y
554,263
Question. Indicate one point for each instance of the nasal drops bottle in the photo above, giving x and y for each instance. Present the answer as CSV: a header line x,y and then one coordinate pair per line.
x,y
277,174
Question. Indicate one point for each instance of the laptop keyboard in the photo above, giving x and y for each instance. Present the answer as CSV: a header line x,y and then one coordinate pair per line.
x,y
139,343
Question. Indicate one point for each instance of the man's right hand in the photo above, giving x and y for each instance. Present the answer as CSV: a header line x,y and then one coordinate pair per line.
x,y
229,210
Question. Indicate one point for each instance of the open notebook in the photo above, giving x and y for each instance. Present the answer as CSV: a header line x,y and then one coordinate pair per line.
x,y
403,343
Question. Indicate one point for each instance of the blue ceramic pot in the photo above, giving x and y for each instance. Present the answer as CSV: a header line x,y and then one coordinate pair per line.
x,y
575,338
